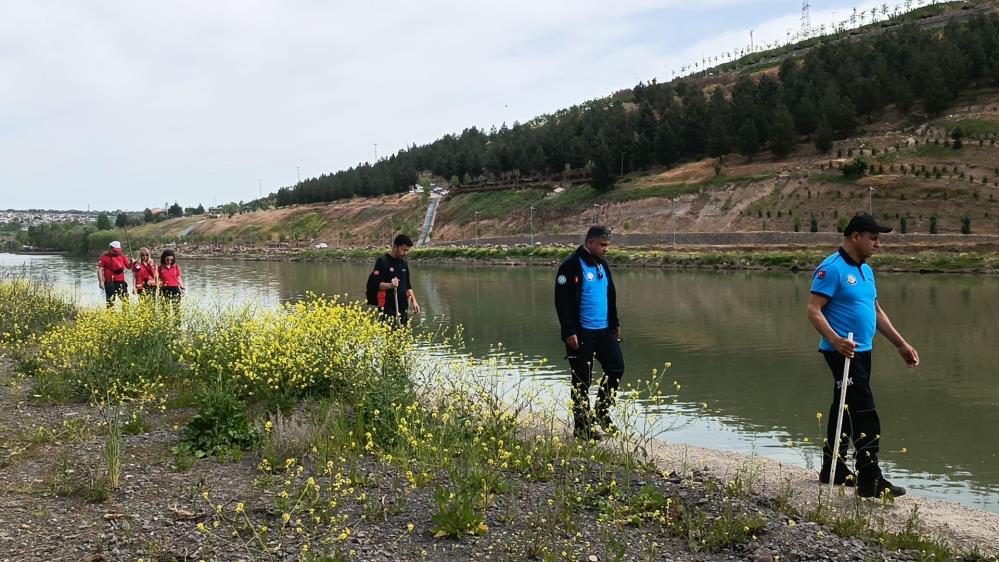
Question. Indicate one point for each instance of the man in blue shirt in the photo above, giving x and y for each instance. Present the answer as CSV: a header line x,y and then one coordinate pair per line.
x,y
586,305
844,299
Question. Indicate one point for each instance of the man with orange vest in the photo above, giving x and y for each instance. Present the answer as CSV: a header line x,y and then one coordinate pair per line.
x,y
111,273
389,286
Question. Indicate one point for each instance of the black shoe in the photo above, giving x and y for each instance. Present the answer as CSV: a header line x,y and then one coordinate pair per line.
x,y
844,476
586,434
607,425
878,488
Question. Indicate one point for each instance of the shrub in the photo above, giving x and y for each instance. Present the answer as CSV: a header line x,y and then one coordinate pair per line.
x,y
316,347
119,360
966,224
221,425
856,168
28,309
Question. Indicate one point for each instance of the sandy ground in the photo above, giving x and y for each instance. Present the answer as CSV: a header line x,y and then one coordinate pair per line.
x,y
963,527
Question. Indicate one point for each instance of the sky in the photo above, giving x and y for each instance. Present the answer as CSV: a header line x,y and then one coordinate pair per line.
x,y
110,105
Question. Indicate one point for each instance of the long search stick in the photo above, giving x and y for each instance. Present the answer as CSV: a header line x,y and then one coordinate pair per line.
x,y
839,419
129,242
398,316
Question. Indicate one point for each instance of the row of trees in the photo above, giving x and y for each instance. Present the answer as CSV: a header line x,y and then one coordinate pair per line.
x,y
821,96
73,237
124,219
83,238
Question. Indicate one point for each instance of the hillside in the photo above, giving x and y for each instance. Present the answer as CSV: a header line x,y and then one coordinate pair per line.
x,y
360,221
758,194
765,193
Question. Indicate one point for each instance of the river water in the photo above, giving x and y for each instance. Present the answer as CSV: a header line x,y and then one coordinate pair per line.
x,y
738,342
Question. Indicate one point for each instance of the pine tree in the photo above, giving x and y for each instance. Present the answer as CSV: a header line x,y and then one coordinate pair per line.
x,y
719,125
667,144
749,141
103,222
824,137
782,133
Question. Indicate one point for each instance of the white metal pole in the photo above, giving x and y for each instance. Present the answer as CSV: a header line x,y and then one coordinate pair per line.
x,y
834,447
532,226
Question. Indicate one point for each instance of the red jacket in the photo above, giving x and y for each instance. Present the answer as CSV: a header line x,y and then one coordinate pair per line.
x,y
170,276
114,265
144,273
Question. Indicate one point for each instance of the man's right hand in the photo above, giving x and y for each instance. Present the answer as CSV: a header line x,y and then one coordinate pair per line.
x,y
845,347
101,285
572,341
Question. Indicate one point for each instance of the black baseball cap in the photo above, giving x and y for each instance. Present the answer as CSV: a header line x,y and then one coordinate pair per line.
x,y
864,223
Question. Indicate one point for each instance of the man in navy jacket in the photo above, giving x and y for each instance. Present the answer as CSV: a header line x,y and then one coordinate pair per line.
x,y
586,304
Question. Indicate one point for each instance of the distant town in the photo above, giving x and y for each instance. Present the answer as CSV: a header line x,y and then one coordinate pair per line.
x,y
34,217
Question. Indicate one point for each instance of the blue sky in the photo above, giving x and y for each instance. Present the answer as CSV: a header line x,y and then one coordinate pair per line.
x,y
128,105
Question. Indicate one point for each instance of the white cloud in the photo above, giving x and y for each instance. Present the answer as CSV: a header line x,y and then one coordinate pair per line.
x,y
129,104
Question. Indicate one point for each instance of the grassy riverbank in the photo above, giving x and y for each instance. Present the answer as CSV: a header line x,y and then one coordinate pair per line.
x,y
929,261
316,432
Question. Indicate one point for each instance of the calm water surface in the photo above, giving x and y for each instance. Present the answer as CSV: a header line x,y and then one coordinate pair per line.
x,y
738,342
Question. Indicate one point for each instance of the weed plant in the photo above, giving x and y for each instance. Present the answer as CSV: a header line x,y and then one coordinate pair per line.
x,y
29,309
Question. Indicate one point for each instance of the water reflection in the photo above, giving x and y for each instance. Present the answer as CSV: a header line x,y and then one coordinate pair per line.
x,y
738,342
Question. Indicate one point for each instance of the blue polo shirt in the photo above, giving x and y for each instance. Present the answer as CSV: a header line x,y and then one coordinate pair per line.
x,y
852,295
593,297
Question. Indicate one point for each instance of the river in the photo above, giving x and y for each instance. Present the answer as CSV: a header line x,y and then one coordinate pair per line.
x,y
738,343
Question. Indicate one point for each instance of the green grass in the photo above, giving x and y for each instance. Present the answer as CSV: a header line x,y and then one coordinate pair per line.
x,y
833,177
935,151
972,127
670,191
309,225
576,196
500,204
491,204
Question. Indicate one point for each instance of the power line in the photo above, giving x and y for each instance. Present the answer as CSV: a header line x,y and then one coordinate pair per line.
x,y
806,20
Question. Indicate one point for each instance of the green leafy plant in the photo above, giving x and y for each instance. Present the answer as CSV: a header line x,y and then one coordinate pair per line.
x,y
221,424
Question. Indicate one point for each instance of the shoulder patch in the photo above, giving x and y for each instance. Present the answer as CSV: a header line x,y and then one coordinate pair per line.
x,y
821,274
561,280
375,272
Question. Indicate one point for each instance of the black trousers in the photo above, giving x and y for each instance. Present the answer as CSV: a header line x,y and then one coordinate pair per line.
x,y
861,425
603,345
114,289
170,300
146,292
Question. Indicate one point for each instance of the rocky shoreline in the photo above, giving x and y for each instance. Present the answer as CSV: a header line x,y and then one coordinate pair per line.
x,y
46,514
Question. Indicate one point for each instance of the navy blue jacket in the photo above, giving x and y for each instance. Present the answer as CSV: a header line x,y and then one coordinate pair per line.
x,y
569,291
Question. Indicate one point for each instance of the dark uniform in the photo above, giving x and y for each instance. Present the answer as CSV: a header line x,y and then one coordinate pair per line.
x,y
586,304
387,267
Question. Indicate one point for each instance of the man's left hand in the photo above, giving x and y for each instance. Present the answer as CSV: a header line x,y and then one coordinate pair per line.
x,y
909,354
416,308
617,333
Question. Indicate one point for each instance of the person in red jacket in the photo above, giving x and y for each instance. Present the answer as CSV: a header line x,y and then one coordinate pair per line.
x,y
145,275
111,273
170,281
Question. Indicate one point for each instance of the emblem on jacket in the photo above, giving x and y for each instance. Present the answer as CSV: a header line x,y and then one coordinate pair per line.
x,y
850,279
560,280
